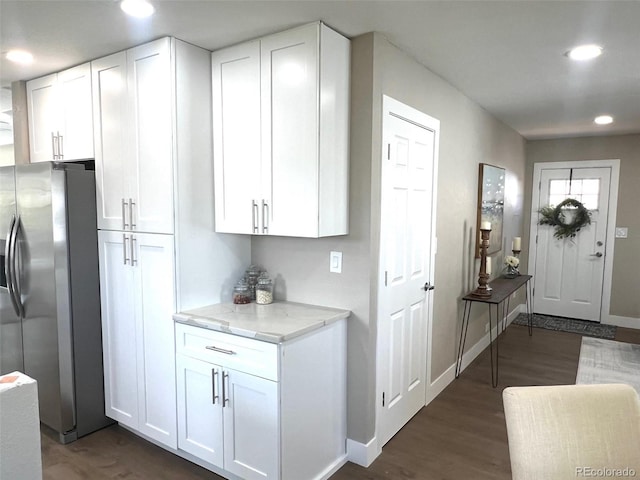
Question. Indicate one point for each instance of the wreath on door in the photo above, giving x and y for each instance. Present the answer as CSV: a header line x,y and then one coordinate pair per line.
x,y
555,217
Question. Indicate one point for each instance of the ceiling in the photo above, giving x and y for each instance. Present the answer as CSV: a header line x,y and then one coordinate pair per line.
x,y
505,55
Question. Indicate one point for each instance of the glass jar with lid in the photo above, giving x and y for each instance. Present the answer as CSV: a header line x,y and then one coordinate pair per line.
x,y
252,274
264,289
241,292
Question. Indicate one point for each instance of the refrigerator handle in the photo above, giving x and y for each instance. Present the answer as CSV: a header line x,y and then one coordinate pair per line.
x,y
7,256
10,266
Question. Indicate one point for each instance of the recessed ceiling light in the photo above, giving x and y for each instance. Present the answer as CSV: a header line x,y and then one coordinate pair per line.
x,y
137,8
20,56
603,120
584,52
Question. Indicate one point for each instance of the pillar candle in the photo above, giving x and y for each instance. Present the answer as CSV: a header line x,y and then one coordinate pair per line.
x,y
516,243
488,267
485,226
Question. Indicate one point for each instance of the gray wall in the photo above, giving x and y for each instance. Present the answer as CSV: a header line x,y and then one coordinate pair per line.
x,y
469,135
625,288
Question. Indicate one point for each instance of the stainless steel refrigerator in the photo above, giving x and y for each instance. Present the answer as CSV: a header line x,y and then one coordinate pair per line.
x,y
50,294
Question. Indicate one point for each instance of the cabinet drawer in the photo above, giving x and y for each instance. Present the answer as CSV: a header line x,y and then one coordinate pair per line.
x,y
230,351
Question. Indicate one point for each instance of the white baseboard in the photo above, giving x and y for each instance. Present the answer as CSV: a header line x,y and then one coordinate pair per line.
x,y
333,468
363,454
626,322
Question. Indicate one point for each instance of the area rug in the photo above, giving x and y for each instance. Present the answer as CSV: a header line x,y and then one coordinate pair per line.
x,y
571,325
606,361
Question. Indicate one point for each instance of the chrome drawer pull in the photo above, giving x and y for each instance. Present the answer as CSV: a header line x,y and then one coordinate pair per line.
x,y
221,350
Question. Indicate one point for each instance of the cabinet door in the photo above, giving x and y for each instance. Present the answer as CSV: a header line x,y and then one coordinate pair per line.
x,y
251,426
119,332
111,139
151,173
236,138
200,409
290,131
153,267
76,117
42,111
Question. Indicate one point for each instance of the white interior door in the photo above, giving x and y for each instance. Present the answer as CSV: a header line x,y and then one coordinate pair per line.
x,y
569,272
406,263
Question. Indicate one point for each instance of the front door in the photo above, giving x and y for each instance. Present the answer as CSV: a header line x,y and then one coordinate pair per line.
x,y
569,272
406,263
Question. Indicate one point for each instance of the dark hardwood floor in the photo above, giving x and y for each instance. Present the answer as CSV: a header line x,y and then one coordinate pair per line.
x,y
460,435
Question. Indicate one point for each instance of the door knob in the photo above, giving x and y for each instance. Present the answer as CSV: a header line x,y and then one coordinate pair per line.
x,y
428,286
597,254
599,243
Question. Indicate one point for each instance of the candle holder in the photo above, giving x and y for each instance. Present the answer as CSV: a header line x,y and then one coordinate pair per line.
x,y
483,290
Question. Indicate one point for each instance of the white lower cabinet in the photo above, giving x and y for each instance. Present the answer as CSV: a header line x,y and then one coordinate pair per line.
x,y
228,418
137,285
258,410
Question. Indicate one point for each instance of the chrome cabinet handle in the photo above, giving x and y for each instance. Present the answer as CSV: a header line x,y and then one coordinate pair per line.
x,y
265,217
60,147
124,214
221,350
225,398
131,210
53,145
254,216
597,254
134,246
214,374
124,249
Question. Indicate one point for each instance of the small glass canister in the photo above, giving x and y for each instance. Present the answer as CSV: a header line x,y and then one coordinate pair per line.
x,y
252,274
241,293
264,289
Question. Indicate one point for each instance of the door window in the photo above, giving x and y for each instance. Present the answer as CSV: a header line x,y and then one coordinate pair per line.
x,y
585,190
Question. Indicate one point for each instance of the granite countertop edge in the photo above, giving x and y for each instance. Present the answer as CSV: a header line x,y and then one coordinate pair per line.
x,y
272,335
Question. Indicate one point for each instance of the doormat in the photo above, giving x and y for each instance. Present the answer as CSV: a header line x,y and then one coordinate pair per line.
x,y
571,325
606,361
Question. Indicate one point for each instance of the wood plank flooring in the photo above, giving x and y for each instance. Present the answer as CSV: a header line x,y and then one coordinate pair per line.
x,y
460,435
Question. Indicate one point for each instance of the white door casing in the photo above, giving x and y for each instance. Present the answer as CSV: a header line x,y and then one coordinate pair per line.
x,y
407,250
571,279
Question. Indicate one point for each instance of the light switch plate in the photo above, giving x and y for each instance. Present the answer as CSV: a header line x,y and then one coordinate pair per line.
x,y
335,262
622,232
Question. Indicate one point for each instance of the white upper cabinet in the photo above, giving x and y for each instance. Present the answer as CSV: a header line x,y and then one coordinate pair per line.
x,y
236,129
60,116
281,112
132,101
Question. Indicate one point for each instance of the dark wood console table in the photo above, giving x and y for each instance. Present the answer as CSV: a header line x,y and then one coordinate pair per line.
x,y
502,288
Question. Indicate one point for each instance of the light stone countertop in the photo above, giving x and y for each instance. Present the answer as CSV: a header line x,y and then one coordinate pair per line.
x,y
275,323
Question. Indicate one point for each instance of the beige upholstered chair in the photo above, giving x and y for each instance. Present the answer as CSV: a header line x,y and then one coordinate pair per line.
x,y
573,431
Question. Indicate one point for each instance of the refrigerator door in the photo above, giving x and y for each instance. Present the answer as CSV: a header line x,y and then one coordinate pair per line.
x,y
10,321
43,280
